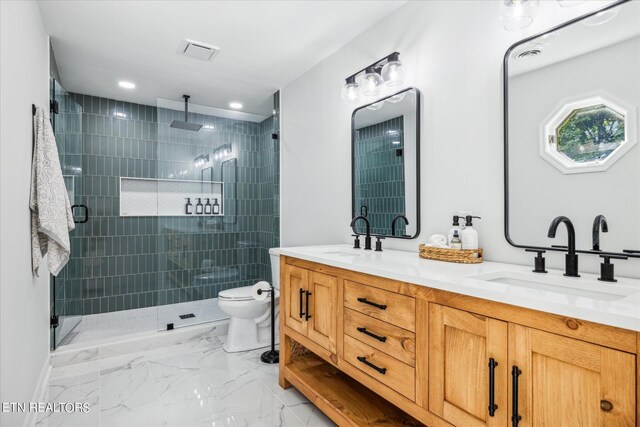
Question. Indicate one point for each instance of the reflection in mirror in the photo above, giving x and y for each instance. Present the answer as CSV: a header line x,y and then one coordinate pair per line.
x,y
571,112
385,173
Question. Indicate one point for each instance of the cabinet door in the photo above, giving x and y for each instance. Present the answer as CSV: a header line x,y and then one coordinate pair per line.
x,y
570,383
295,282
461,345
323,306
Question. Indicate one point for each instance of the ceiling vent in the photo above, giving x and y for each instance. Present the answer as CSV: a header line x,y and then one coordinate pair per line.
x,y
197,50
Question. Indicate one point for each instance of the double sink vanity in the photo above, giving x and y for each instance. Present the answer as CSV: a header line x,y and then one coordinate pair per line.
x,y
388,338
383,337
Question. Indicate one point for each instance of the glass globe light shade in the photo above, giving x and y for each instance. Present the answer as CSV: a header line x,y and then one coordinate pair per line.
x,y
371,82
351,92
393,71
517,14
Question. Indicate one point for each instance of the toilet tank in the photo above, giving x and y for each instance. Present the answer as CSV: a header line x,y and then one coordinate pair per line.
x,y
275,270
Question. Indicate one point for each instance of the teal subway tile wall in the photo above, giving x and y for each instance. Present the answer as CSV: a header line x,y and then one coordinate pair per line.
x,y
121,263
379,175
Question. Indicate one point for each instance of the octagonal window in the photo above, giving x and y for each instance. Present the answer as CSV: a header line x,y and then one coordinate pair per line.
x,y
588,135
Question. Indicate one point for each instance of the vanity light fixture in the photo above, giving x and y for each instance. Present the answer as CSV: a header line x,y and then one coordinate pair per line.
x,y
201,161
368,81
517,14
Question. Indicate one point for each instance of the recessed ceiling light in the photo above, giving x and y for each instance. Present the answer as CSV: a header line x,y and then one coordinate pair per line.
x,y
235,105
126,85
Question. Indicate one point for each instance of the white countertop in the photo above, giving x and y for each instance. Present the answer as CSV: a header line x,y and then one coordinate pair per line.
x,y
615,304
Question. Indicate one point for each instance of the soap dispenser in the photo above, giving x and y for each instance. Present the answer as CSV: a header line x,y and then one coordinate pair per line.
x,y
216,207
199,206
469,235
207,207
188,208
456,227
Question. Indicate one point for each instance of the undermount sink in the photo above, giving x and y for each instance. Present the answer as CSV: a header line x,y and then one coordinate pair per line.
x,y
578,287
339,251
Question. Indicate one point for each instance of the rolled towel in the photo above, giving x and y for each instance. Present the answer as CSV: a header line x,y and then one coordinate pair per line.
x,y
438,240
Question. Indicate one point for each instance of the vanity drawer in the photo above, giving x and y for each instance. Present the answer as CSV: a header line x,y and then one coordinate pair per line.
x,y
392,340
399,310
384,368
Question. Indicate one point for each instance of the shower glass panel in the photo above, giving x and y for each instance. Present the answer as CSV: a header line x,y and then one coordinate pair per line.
x,y
233,163
65,289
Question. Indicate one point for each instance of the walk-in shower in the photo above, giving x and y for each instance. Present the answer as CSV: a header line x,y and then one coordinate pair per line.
x,y
141,262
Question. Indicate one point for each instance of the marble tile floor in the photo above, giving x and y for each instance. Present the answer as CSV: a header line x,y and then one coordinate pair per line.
x,y
189,384
96,327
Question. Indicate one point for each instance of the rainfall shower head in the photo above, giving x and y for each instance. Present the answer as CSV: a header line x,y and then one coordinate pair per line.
x,y
178,124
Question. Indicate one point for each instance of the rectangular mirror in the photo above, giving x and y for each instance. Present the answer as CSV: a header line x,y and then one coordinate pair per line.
x,y
571,113
385,150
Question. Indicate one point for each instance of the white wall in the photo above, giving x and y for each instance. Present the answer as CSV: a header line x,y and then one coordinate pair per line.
x,y
24,300
453,52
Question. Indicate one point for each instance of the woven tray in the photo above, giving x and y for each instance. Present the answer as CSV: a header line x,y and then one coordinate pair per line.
x,y
463,256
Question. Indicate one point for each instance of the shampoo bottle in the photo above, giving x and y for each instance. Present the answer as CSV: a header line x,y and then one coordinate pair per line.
x,y
199,207
207,207
216,207
469,235
188,208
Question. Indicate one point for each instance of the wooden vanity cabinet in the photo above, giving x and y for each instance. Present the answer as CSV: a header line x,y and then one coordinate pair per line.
x,y
566,382
383,352
310,305
465,350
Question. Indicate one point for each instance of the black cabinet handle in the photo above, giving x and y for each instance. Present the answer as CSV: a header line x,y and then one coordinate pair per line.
x,y
371,334
492,385
301,312
371,365
515,417
366,301
86,213
307,316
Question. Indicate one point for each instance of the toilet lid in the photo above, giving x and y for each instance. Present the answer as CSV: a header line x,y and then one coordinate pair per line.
x,y
244,293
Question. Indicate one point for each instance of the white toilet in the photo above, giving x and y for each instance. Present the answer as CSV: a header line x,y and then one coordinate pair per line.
x,y
250,324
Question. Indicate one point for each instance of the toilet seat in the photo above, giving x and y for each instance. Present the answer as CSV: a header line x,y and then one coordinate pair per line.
x,y
244,293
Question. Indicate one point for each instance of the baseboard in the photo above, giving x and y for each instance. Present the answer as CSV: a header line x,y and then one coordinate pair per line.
x,y
39,394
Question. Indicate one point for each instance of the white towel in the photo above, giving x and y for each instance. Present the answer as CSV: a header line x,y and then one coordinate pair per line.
x,y
51,217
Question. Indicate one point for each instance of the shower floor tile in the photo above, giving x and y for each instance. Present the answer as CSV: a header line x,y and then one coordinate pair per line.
x,y
190,384
96,327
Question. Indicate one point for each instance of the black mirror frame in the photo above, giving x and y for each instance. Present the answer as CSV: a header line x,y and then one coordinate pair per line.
x,y
353,159
505,98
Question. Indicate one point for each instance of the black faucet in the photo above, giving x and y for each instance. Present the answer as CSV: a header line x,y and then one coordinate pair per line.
x,y
393,223
599,223
367,239
571,259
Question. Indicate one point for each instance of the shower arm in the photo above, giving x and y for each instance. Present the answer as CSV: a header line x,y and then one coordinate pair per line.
x,y
186,108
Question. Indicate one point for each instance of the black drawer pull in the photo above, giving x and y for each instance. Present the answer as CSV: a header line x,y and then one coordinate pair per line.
x,y
366,301
307,316
301,294
371,365
515,417
371,334
492,385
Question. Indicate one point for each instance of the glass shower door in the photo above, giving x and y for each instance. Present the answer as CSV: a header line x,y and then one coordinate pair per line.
x,y
66,288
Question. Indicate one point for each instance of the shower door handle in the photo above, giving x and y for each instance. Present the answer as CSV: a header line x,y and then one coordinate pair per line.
x,y
86,213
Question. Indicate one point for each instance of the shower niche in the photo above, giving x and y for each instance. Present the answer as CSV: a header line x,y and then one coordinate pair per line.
x,y
168,197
